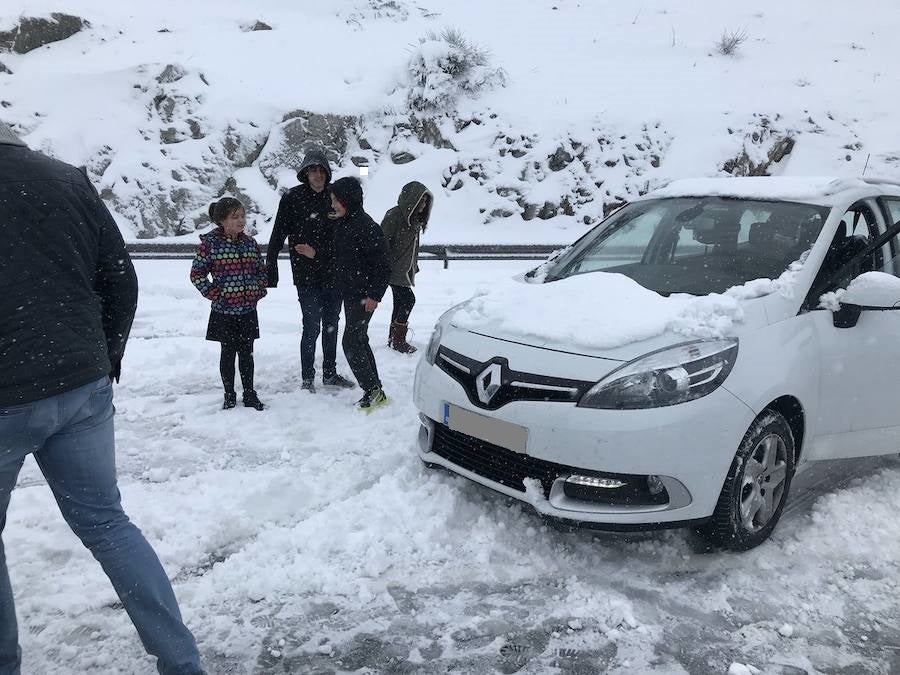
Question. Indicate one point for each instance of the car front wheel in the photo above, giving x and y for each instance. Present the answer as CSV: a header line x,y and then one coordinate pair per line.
x,y
757,485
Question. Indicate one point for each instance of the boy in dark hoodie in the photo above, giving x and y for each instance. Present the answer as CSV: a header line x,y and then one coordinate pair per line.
x,y
303,220
362,271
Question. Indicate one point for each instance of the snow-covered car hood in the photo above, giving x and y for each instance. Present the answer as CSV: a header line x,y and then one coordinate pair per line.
x,y
610,315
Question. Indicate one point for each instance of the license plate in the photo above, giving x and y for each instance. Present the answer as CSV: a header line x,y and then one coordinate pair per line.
x,y
506,435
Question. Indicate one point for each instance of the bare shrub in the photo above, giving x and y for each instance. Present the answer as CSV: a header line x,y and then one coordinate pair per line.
x,y
730,41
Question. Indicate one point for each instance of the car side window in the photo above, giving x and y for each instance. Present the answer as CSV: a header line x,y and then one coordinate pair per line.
x,y
892,206
858,227
891,250
859,221
862,226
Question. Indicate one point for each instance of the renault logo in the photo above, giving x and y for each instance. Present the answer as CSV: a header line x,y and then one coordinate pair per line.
x,y
487,382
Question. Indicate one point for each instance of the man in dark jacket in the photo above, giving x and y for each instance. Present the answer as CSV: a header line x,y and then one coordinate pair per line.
x,y
402,226
362,271
68,301
303,220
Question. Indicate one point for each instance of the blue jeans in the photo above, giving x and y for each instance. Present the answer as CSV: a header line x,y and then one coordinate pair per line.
x,y
321,308
71,438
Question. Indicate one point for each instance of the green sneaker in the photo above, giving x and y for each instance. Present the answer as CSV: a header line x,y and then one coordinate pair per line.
x,y
372,400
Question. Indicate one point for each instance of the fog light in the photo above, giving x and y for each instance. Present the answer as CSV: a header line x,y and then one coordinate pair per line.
x,y
424,439
617,489
597,482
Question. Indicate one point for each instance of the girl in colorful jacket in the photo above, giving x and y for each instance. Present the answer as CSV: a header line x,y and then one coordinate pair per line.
x,y
234,262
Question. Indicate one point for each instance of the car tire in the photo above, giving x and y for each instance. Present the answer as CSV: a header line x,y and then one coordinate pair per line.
x,y
756,488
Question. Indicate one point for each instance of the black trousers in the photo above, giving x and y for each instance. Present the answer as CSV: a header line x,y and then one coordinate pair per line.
x,y
356,344
244,352
404,300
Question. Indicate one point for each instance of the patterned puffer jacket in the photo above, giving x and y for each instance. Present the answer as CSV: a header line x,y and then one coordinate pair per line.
x,y
237,270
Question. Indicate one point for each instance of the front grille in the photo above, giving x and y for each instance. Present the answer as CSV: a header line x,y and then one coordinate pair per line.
x,y
492,461
512,385
510,468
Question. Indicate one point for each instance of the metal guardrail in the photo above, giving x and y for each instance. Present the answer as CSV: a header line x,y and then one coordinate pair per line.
x,y
444,252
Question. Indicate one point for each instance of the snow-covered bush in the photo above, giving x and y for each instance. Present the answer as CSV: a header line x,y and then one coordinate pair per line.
x,y
443,67
373,10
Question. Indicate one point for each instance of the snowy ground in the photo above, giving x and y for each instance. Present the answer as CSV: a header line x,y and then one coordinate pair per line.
x,y
309,538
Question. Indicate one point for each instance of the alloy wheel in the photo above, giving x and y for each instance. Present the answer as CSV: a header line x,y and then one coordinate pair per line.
x,y
763,482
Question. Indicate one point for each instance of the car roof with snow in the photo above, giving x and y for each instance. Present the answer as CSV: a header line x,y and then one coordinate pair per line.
x,y
826,191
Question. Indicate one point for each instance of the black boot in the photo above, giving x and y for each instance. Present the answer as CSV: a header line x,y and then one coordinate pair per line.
x,y
252,401
230,400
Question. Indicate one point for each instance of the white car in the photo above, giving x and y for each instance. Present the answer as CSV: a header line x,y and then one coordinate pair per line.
x,y
682,361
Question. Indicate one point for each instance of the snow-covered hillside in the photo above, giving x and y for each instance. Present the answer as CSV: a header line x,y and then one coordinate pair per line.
x,y
579,105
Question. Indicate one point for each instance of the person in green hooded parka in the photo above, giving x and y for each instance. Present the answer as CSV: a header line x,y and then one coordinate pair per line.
x,y
402,226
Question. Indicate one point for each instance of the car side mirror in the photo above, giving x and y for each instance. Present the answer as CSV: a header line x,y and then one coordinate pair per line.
x,y
872,291
846,316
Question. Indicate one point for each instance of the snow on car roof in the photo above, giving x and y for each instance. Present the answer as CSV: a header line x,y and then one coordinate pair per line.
x,y
818,190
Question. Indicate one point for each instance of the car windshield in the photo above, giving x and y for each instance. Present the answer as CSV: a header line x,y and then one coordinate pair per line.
x,y
695,245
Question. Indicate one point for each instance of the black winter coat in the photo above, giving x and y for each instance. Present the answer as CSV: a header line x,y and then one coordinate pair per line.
x,y
362,268
69,288
303,219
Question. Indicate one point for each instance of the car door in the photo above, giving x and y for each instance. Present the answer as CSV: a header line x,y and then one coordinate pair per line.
x,y
857,413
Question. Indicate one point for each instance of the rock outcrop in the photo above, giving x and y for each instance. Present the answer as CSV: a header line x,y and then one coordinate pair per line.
x,y
34,32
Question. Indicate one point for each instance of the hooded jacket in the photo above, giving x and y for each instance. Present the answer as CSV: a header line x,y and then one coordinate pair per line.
x,y
237,271
302,218
314,158
69,288
401,231
362,269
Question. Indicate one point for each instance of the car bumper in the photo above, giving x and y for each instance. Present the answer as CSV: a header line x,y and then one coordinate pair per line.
x,y
688,448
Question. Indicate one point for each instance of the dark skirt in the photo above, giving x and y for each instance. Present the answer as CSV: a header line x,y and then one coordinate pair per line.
x,y
232,327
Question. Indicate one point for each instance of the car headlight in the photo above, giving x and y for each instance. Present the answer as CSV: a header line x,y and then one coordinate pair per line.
x,y
670,376
434,343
